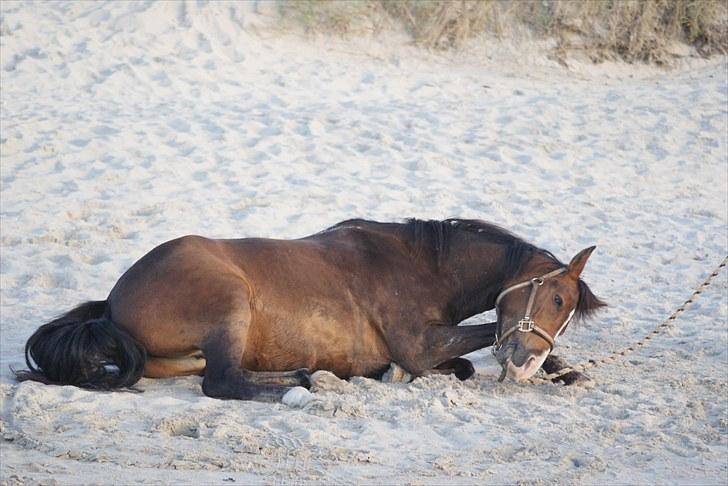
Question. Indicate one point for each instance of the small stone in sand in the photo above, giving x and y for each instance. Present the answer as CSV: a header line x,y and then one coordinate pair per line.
x,y
297,397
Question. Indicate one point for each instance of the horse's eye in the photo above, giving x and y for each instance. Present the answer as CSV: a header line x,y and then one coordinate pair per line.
x,y
558,301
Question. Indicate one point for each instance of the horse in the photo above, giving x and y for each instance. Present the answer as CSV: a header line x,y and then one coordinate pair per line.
x,y
256,316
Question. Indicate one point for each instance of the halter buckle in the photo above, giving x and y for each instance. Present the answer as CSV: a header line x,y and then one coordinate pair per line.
x,y
526,324
537,281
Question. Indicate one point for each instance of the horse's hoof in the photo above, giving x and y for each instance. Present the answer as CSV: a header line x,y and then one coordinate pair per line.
x,y
464,370
303,375
575,378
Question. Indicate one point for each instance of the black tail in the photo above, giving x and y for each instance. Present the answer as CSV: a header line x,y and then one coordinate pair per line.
x,y
84,348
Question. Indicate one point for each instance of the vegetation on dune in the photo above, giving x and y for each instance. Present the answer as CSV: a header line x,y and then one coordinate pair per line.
x,y
631,30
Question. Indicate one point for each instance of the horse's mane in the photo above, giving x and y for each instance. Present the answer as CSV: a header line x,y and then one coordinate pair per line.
x,y
436,236
433,238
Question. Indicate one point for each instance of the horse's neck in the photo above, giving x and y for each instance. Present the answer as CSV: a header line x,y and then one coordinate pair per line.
x,y
478,275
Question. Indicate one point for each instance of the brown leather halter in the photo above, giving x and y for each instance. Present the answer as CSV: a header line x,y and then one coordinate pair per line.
x,y
527,324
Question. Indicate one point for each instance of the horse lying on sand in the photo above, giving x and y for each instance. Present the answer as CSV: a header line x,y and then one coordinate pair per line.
x,y
253,316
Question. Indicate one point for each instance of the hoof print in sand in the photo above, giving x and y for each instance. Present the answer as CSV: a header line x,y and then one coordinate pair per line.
x,y
179,426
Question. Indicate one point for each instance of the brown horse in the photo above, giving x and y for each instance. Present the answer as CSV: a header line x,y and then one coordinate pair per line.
x,y
253,316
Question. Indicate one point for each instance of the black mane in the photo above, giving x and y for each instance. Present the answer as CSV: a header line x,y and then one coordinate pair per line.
x,y
435,236
588,303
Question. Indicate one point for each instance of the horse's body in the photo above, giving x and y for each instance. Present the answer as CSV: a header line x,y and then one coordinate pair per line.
x,y
351,299
323,302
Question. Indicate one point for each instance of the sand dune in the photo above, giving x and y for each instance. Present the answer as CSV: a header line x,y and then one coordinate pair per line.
x,y
128,124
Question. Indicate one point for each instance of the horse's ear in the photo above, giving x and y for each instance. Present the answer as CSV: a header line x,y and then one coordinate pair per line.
x,y
576,265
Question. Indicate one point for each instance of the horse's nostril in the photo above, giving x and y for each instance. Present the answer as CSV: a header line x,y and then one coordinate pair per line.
x,y
531,365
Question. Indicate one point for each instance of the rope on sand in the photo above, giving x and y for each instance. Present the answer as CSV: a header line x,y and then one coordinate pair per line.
x,y
639,344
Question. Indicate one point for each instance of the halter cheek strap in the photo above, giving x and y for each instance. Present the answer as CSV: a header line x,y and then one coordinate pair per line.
x,y
527,324
566,322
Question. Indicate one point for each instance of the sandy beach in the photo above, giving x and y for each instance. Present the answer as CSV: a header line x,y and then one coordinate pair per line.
x,y
124,125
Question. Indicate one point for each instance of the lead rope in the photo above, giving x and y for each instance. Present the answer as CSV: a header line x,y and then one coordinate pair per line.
x,y
639,344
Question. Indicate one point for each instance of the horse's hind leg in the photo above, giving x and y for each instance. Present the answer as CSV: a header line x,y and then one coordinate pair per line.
x,y
194,364
156,367
299,377
224,376
169,367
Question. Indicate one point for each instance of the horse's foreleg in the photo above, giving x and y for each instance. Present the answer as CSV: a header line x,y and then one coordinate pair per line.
x,y
554,363
438,344
460,367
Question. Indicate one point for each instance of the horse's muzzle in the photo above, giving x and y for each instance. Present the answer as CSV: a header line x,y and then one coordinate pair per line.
x,y
518,363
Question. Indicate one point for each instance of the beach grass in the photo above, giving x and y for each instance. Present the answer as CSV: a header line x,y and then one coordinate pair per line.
x,y
629,30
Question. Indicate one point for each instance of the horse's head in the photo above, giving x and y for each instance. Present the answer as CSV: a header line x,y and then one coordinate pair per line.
x,y
534,308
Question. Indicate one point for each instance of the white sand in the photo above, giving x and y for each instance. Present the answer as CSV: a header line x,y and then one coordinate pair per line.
x,y
125,125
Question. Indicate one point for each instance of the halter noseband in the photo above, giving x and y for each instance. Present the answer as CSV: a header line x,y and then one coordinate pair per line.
x,y
527,324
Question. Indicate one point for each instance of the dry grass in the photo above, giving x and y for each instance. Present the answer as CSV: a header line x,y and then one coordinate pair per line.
x,y
638,30
444,24
340,17
631,30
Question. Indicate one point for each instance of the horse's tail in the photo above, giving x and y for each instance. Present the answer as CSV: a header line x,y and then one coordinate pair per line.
x,y
84,348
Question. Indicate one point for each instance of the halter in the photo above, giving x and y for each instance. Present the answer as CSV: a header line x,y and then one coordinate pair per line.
x,y
527,324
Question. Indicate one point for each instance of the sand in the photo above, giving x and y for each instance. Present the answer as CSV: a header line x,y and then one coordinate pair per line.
x,y
128,124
